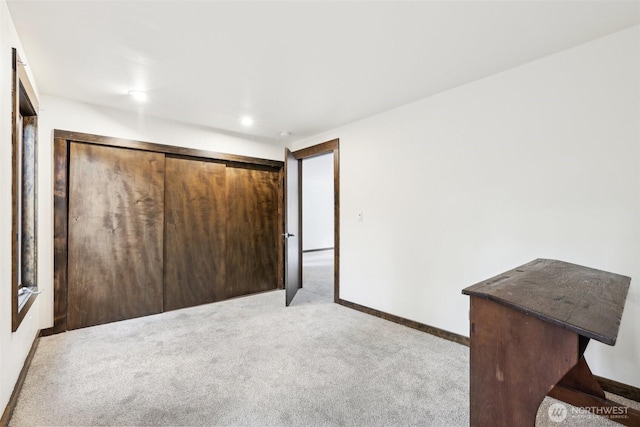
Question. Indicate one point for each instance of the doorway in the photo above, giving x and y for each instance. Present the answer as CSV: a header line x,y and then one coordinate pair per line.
x,y
317,225
320,250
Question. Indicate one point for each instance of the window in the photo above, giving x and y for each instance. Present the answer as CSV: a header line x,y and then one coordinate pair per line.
x,y
24,222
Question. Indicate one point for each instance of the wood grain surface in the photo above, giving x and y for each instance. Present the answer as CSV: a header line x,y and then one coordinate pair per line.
x,y
252,230
60,233
254,197
195,232
515,359
585,300
116,217
162,148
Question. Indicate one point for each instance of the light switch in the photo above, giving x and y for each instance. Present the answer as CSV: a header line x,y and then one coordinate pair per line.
x,y
360,216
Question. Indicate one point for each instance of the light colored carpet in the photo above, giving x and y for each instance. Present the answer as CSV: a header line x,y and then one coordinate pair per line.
x,y
252,362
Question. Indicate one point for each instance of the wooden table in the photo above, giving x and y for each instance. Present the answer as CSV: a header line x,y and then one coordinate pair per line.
x,y
529,328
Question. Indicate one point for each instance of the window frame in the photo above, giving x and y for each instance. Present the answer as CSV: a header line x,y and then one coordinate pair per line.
x,y
23,196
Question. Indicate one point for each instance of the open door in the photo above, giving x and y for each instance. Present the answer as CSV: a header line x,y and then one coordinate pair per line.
x,y
292,267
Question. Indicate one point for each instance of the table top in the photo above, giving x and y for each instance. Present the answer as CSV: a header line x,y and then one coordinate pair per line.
x,y
585,300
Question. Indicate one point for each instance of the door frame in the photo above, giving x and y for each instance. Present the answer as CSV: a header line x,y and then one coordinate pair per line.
x,y
332,146
62,140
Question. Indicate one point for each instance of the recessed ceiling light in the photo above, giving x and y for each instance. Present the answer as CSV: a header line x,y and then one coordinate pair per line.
x,y
246,121
285,134
138,95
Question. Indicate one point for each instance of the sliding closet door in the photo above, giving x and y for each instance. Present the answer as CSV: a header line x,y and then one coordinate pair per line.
x,y
115,242
252,229
195,230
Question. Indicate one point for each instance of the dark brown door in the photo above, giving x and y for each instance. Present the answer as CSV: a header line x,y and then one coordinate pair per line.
x,y
195,231
115,246
293,269
252,229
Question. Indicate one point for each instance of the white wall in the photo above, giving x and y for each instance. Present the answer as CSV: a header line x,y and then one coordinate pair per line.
x,y
540,161
317,202
14,347
65,114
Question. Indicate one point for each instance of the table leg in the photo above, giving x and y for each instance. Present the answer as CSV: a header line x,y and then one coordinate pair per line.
x,y
579,388
515,361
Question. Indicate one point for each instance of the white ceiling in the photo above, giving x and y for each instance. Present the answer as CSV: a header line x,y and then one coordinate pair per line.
x,y
296,66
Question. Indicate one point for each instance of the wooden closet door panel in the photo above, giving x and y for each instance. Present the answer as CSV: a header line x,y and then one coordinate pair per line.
x,y
195,225
115,246
253,231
